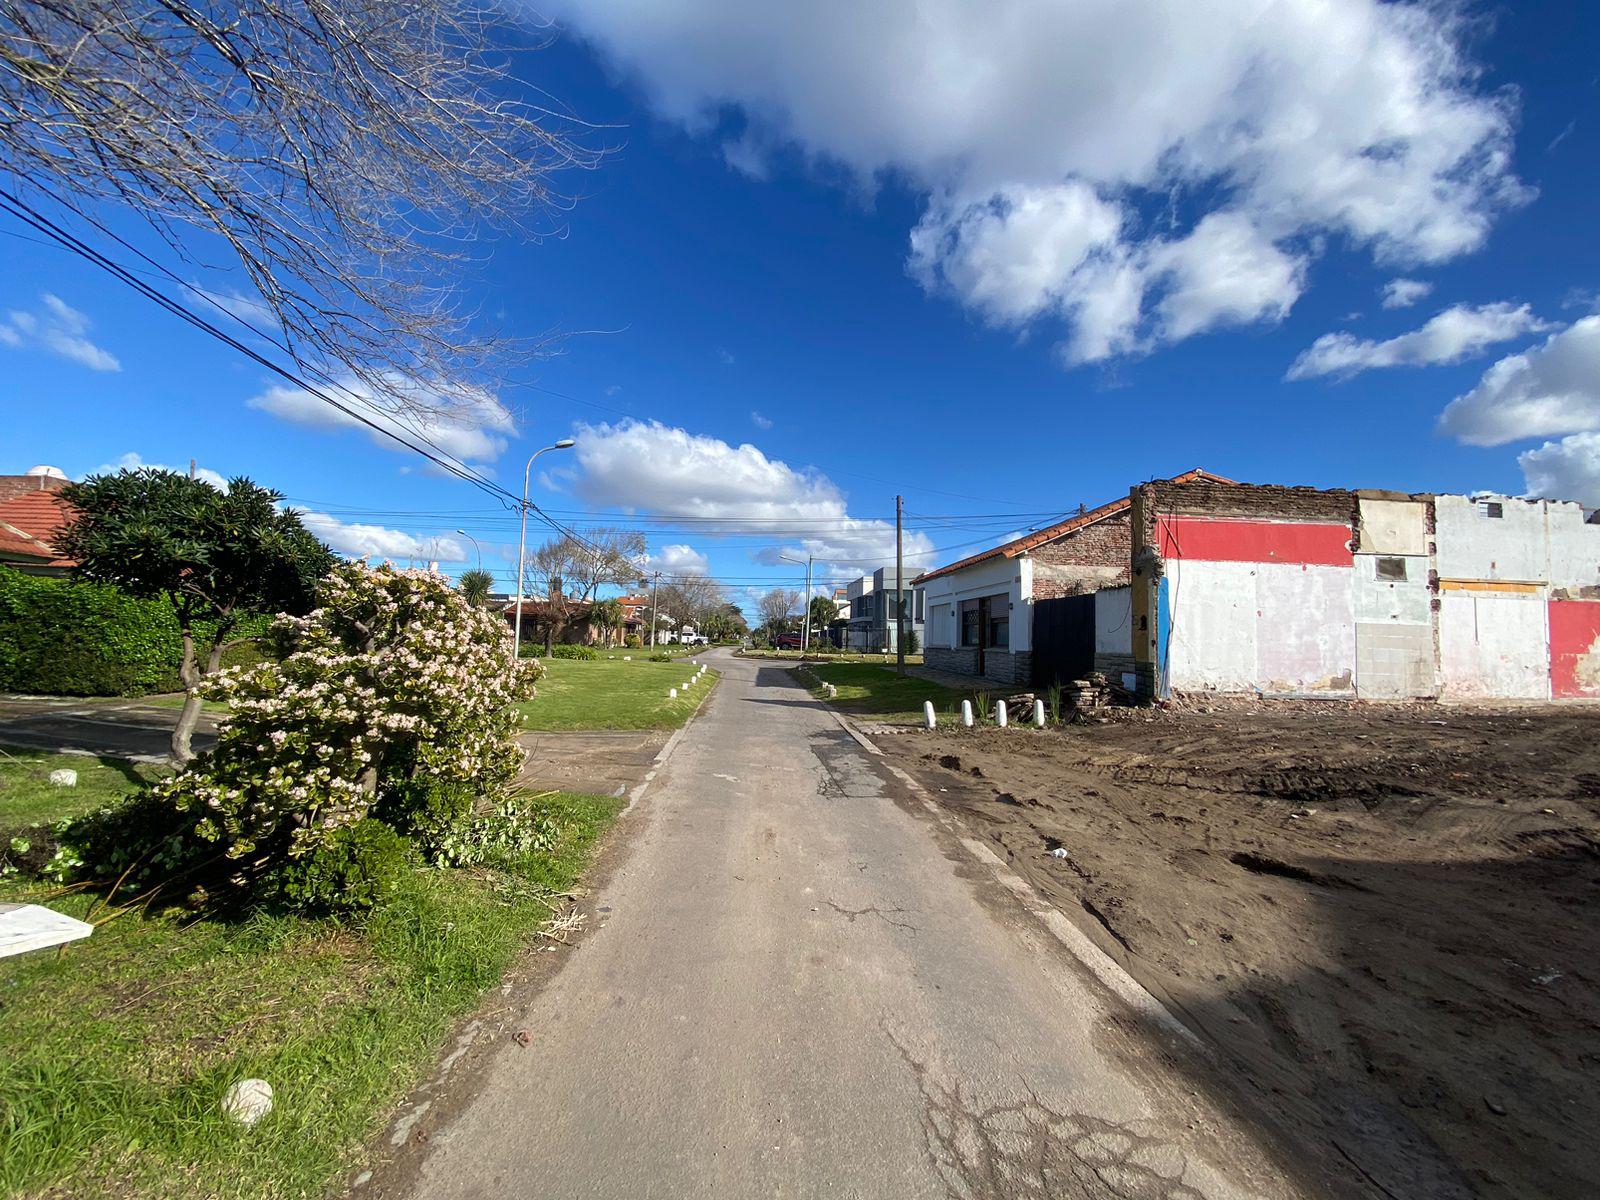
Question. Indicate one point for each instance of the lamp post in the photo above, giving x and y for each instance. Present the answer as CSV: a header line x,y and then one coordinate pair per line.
x,y
475,546
522,540
805,607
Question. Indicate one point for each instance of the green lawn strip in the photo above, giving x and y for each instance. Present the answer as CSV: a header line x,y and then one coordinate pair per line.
x,y
176,699
842,656
27,797
868,690
114,1054
613,694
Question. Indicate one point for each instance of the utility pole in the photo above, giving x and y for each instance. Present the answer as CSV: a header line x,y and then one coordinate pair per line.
x,y
655,617
805,607
899,591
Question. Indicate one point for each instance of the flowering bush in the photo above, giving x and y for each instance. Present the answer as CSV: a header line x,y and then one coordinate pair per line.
x,y
392,679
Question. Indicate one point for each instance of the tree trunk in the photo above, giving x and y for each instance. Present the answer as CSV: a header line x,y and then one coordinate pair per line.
x,y
183,734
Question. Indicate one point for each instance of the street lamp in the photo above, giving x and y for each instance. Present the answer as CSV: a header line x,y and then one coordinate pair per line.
x,y
522,539
805,609
475,546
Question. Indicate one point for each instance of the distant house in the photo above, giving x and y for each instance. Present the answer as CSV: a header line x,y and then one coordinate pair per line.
x,y
870,624
1054,604
1199,584
32,513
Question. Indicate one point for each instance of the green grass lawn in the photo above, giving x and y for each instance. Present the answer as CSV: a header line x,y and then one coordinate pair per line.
x,y
868,690
609,693
115,1052
847,656
27,797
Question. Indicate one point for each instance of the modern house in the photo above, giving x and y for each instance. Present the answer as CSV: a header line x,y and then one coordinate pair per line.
x,y
31,514
1198,584
871,623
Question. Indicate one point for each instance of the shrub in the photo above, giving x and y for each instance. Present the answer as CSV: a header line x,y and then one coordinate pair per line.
x,y
354,868
581,653
393,677
83,639
512,827
430,812
661,656
633,641
912,642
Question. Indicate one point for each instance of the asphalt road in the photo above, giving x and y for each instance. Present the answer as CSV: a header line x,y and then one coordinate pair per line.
x,y
804,987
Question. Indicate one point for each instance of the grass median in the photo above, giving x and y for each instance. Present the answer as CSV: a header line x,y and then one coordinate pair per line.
x,y
868,690
610,693
115,1052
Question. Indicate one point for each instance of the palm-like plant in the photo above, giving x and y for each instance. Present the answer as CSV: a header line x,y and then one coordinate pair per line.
x,y
475,587
607,615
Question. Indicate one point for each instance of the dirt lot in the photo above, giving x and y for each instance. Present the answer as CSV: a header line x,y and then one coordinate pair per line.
x,y
1385,918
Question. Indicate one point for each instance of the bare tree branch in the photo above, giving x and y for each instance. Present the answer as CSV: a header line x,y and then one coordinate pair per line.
x,y
347,152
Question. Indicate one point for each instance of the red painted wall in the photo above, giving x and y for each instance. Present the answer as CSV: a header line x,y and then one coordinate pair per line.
x,y
1574,635
1323,543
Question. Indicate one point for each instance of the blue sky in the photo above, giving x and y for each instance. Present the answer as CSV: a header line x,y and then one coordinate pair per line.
x,y
942,258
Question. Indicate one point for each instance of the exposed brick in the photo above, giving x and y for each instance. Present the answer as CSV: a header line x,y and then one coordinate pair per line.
x,y
1084,560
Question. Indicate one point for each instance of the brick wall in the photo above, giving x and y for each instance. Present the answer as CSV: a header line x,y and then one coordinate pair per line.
x,y
1261,501
1084,560
1000,666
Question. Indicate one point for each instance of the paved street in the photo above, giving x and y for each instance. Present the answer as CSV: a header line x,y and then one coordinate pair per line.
x,y
804,987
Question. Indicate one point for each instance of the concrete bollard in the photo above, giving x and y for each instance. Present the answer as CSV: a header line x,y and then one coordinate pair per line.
x,y
672,693
966,713
629,657
1000,713
928,719
1038,714
64,777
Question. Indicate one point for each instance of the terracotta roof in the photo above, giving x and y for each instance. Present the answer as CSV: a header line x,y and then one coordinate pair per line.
x,y
16,485
35,517
1050,533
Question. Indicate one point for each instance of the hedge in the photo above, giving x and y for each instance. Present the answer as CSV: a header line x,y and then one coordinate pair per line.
x,y
61,638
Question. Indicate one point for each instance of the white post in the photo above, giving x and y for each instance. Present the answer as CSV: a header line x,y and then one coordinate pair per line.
x,y
1000,713
1038,714
672,693
966,713
928,718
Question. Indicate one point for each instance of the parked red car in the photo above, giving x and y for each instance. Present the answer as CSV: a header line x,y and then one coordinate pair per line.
x,y
789,641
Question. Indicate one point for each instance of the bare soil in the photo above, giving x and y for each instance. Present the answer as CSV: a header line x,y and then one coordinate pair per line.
x,y
1384,918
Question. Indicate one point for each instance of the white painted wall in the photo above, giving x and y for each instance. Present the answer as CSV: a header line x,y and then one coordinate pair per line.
x,y
1472,546
1011,577
1493,645
1277,628
1394,527
1405,601
1394,630
1113,621
1574,547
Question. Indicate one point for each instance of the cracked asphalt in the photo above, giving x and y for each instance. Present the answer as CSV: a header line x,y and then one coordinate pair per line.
x,y
803,986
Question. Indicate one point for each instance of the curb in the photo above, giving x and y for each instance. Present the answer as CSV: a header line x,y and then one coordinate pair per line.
x,y
1101,965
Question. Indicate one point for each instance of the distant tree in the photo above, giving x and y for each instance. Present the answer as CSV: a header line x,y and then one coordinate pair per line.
x,y
607,616
690,599
566,572
475,587
214,555
726,623
343,152
824,612
777,607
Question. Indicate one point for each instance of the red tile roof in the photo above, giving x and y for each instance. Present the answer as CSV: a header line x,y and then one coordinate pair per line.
x,y
1050,533
28,524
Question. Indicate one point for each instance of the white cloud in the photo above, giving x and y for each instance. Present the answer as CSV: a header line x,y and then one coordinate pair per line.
x,y
1043,132
472,427
378,541
655,468
678,559
1403,293
1564,470
1551,388
759,420
133,462
1458,333
60,329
